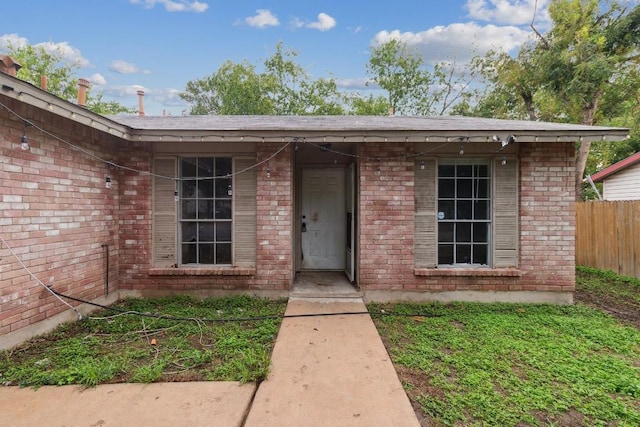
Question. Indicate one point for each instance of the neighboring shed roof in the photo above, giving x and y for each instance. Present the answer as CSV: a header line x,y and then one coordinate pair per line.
x,y
616,167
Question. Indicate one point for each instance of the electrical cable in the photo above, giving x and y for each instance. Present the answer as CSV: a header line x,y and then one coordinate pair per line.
x,y
123,311
449,140
38,281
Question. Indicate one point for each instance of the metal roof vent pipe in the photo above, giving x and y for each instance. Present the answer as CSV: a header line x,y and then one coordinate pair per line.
x,y
140,103
44,82
83,85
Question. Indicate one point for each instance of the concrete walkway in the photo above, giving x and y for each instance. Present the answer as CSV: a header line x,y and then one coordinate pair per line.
x,y
326,371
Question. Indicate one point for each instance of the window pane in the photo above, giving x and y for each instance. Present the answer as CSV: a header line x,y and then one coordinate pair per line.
x,y
205,188
463,232
445,232
480,254
223,232
188,167
205,209
445,254
463,209
206,232
189,254
189,232
446,209
481,209
464,171
463,254
222,188
223,166
446,170
188,209
465,188
481,188
206,253
446,188
188,189
223,253
481,232
205,166
481,170
223,209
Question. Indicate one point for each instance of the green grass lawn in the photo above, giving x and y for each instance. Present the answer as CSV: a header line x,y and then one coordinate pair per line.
x,y
518,365
461,364
118,346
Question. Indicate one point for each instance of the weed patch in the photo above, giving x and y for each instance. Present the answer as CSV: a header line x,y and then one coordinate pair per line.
x,y
515,365
120,346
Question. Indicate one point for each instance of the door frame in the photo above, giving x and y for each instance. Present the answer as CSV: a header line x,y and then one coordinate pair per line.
x,y
297,234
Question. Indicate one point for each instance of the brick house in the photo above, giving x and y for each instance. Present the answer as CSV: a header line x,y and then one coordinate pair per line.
x,y
410,208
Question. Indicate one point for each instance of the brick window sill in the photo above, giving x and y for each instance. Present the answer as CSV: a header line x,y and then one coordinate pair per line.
x,y
220,271
467,272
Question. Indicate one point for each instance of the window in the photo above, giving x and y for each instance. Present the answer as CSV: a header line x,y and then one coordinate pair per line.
x,y
464,212
205,210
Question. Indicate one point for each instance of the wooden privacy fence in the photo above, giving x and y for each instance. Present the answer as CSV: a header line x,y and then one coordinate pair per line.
x,y
608,236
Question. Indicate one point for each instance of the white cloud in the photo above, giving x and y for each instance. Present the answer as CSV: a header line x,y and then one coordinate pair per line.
x,y
124,67
263,18
324,23
124,90
13,40
509,12
174,5
296,23
68,53
359,83
97,79
459,42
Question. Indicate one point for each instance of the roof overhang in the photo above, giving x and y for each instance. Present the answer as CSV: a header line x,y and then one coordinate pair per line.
x,y
21,91
357,129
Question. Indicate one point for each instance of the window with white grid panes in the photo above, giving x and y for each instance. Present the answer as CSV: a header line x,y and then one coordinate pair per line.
x,y
205,209
464,212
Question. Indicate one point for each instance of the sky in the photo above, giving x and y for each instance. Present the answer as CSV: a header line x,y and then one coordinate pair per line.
x,y
158,46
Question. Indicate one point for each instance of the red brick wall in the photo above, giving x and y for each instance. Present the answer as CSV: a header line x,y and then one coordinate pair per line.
x,y
55,213
275,219
386,218
547,223
547,216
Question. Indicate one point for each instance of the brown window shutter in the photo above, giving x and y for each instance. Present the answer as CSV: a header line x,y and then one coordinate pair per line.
x,y
164,227
425,238
505,214
244,213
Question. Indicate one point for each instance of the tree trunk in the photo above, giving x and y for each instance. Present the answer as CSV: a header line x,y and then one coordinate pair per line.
x,y
581,164
588,114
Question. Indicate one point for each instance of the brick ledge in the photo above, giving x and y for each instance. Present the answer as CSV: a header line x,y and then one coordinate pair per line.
x,y
468,272
224,271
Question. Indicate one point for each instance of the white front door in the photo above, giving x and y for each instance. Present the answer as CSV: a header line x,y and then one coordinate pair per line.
x,y
323,219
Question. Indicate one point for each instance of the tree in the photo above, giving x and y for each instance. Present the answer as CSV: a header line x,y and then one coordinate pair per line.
x,y
369,106
582,71
283,88
411,87
232,89
61,80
